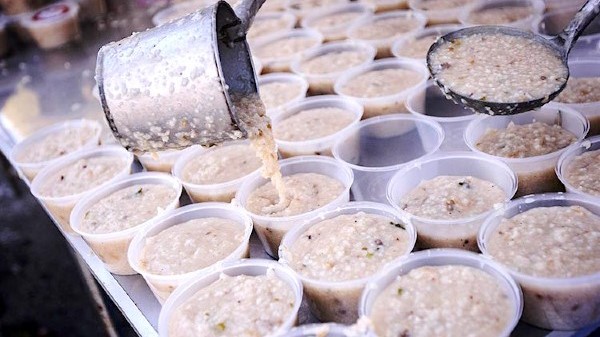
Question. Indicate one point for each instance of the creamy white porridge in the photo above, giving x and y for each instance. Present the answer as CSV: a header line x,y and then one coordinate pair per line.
x,y
276,94
234,306
385,28
442,301
549,242
312,124
82,175
348,247
500,15
286,47
57,144
583,172
333,62
191,246
452,197
498,68
580,90
378,83
528,140
127,208
434,5
263,26
221,165
335,20
417,48
304,192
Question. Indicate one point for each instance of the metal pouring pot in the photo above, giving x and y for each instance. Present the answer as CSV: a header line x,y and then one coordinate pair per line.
x,y
175,85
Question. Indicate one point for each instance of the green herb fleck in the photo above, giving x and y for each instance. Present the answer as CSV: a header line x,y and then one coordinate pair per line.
x,y
221,326
369,255
400,290
364,248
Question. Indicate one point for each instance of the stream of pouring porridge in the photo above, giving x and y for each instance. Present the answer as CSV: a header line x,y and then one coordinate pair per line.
x,y
253,118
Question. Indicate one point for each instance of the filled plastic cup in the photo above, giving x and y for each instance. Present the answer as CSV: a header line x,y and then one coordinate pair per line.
x,y
303,8
60,207
444,257
551,303
163,285
567,158
377,148
591,110
223,192
250,267
325,330
436,16
282,64
337,301
322,83
536,9
383,45
536,174
268,23
161,161
386,5
333,31
401,48
451,233
316,146
112,247
29,170
431,104
389,104
557,17
293,80
270,229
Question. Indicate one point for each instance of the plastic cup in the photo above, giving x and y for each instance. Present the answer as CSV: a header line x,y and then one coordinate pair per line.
x,y
257,66
442,233
444,257
438,16
161,161
112,247
287,78
337,301
178,10
378,147
317,146
163,285
399,46
591,111
383,105
431,104
383,45
587,145
551,303
53,25
30,170
324,330
303,8
250,267
536,174
282,64
223,192
386,5
336,32
270,230
60,207
323,83
537,9
279,22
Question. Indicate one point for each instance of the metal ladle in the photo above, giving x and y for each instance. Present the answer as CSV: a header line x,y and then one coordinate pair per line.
x,y
179,84
561,44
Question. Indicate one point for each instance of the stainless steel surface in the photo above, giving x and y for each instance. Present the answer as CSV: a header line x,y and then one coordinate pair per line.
x,y
174,85
561,44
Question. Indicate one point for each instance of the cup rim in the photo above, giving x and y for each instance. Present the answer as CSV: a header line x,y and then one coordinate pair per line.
x,y
535,24
137,243
231,268
296,32
568,156
87,201
71,158
488,225
444,156
459,257
287,78
421,18
435,126
343,7
432,30
360,206
538,7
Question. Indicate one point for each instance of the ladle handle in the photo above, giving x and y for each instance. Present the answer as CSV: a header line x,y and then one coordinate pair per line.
x,y
581,20
246,11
